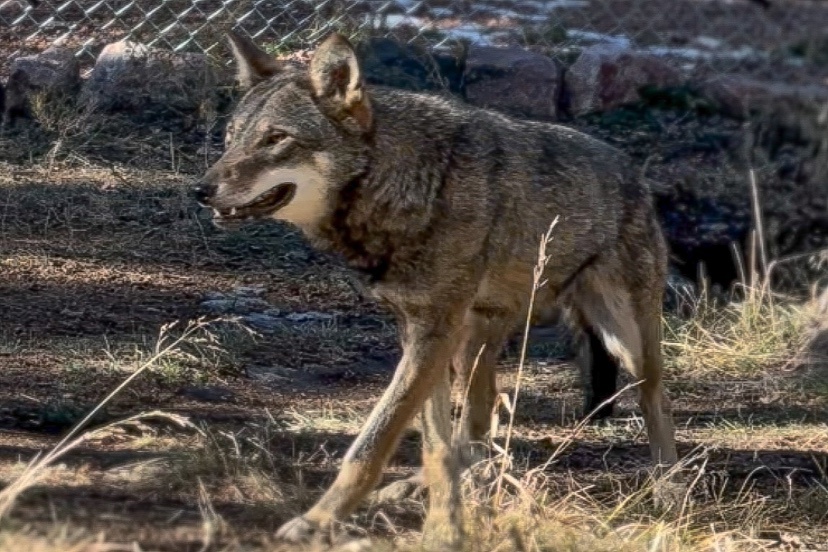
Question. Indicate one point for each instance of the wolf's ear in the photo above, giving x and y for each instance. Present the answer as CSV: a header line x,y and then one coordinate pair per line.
x,y
337,81
254,64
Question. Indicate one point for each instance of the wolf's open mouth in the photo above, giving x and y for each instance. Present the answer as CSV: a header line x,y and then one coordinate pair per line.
x,y
273,199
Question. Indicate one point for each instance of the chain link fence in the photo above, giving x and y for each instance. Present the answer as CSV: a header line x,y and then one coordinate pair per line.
x,y
785,40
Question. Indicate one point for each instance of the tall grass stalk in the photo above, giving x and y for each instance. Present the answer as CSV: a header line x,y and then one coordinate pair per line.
x,y
537,283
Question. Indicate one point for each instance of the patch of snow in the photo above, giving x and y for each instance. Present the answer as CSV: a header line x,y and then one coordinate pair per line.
x,y
542,10
507,13
601,38
710,48
706,47
474,33
695,54
555,4
442,12
477,34
409,5
398,20
709,42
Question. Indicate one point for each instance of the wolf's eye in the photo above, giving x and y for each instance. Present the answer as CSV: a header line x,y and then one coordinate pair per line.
x,y
274,138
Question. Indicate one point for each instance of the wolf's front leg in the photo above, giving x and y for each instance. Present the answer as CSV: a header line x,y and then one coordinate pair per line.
x,y
427,350
443,528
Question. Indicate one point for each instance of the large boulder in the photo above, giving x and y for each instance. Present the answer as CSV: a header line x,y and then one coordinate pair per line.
x,y
741,96
702,229
389,62
53,75
782,112
12,9
513,80
609,75
790,123
130,76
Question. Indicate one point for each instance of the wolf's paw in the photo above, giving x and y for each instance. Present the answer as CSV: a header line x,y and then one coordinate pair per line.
x,y
410,488
299,530
446,537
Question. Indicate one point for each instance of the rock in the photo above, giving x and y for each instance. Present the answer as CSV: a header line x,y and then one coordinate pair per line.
x,y
701,229
207,393
12,9
250,291
234,305
238,291
55,73
782,113
513,80
266,322
389,62
130,76
609,75
254,310
310,316
273,375
272,320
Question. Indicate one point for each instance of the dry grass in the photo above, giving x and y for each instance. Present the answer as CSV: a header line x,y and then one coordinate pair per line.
x,y
745,338
511,504
167,345
758,478
748,336
63,539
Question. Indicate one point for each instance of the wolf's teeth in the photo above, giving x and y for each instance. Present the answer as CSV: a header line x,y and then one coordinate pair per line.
x,y
216,213
233,212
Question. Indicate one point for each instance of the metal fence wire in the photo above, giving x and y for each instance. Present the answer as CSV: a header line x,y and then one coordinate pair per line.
x,y
783,40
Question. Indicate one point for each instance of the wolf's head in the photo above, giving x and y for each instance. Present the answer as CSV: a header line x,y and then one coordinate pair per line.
x,y
295,137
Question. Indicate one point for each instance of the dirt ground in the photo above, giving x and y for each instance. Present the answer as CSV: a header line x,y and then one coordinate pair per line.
x,y
103,247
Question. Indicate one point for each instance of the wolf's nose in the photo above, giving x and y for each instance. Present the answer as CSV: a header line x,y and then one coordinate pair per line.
x,y
202,192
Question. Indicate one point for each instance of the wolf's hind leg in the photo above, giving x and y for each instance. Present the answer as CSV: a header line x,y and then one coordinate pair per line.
x,y
599,374
630,328
475,367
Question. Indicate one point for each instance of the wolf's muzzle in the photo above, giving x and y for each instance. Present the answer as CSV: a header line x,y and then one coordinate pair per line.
x,y
203,192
